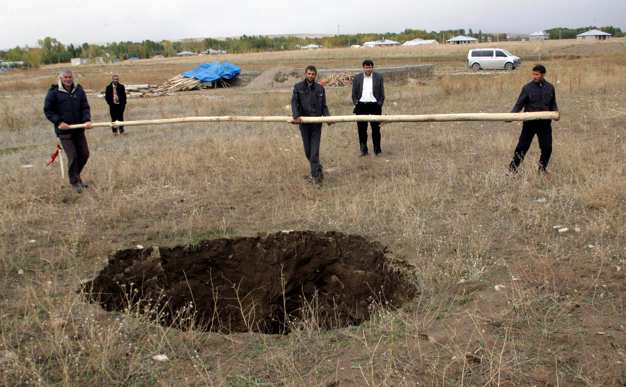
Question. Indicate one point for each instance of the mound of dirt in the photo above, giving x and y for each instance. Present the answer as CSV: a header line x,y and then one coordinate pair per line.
x,y
278,78
269,283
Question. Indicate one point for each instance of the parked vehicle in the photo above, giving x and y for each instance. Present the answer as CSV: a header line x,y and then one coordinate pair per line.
x,y
492,58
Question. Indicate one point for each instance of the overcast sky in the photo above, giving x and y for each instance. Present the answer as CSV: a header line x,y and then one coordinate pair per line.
x,y
23,22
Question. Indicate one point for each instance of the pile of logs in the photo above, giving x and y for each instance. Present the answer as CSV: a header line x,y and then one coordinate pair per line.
x,y
338,79
178,83
169,87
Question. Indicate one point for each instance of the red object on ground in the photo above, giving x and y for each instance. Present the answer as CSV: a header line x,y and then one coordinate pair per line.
x,y
54,156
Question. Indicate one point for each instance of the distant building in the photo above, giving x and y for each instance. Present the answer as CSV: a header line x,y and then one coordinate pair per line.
x,y
356,46
211,51
79,61
538,36
381,43
462,40
420,42
158,57
311,47
186,53
594,35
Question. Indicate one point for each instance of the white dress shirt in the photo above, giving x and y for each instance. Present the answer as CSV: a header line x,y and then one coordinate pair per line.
x,y
368,89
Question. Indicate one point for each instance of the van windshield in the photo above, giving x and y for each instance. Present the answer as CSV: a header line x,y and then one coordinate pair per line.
x,y
508,53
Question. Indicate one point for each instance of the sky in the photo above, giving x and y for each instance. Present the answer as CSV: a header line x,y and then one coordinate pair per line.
x,y
24,22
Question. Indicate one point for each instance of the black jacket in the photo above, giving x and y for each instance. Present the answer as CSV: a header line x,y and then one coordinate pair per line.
x,y
63,106
309,101
379,88
536,97
121,94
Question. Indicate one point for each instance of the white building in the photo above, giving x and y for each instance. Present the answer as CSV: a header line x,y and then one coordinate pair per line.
x,y
594,35
79,61
538,36
186,53
462,40
420,42
211,51
381,43
311,47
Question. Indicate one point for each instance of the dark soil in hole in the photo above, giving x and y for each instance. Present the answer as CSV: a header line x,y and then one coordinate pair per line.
x,y
268,283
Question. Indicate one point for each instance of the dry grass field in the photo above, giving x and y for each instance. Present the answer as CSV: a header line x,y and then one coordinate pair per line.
x,y
503,296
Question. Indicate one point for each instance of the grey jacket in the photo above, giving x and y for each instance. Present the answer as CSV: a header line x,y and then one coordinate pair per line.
x,y
309,101
379,88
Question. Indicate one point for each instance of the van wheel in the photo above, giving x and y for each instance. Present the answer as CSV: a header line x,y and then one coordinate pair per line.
x,y
508,66
476,66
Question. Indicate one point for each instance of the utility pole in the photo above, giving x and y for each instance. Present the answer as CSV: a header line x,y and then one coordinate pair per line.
x,y
338,31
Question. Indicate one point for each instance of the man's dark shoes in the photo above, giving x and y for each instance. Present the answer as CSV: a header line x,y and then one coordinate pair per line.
x,y
315,182
379,153
320,177
83,184
78,188
362,154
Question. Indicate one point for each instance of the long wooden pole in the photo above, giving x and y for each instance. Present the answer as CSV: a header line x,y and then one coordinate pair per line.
x,y
352,118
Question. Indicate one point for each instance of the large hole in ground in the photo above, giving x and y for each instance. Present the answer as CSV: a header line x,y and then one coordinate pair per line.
x,y
270,283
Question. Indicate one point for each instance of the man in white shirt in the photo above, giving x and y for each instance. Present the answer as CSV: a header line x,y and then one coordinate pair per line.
x,y
368,96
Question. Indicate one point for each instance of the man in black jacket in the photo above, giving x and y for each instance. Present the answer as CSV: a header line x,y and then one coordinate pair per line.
x,y
66,104
115,95
309,100
368,96
536,96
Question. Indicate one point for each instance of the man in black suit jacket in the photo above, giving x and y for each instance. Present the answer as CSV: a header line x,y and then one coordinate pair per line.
x,y
115,95
368,96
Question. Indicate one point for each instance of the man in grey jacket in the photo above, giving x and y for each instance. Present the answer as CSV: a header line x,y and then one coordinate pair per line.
x,y
368,96
309,100
536,96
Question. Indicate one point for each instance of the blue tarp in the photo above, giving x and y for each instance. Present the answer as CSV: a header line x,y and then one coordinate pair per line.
x,y
1,71
133,58
210,72
116,61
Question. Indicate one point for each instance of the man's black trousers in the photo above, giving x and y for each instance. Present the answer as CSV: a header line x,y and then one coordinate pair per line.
x,y
365,108
117,114
77,151
543,130
311,138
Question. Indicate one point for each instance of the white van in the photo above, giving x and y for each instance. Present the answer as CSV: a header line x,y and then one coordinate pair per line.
x,y
492,58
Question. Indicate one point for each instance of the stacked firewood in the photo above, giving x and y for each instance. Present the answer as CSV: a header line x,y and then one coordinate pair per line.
x,y
338,79
178,83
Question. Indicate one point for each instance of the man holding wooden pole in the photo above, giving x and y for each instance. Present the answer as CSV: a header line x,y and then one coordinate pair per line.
x,y
115,95
66,104
368,96
309,100
536,96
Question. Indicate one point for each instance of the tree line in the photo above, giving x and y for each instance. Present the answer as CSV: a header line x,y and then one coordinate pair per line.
x,y
50,50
